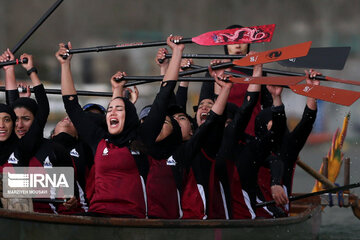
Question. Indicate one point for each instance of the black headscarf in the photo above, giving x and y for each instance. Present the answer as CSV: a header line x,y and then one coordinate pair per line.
x,y
8,146
128,134
166,147
28,103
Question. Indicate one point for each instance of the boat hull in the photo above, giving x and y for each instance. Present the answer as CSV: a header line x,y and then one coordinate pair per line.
x,y
19,225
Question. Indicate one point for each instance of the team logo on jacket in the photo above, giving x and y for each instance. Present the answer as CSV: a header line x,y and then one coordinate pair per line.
x,y
12,159
47,163
171,161
105,152
135,152
74,153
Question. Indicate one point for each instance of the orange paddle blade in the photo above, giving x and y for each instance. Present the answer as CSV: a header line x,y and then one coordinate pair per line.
x,y
280,81
293,51
329,94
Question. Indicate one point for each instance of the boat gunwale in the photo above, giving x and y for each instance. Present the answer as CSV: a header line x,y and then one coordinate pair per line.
x,y
159,223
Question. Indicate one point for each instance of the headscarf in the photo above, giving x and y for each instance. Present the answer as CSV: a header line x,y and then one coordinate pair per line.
x,y
28,103
131,124
8,146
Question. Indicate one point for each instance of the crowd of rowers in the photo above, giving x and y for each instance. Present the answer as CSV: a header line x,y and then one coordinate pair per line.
x,y
234,153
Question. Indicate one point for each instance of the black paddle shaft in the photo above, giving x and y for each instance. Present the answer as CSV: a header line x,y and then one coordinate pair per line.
x,y
124,46
331,190
36,26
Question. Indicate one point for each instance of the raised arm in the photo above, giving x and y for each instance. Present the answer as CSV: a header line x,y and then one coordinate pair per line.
x,y
303,129
67,82
72,106
10,82
117,85
161,61
40,95
153,123
310,79
182,91
31,69
172,72
225,87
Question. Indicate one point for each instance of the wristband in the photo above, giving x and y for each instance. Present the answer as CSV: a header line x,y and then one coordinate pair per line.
x,y
31,70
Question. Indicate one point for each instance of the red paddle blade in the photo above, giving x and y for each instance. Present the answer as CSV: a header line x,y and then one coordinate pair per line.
x,y
329,94
280,81
236,36
297,50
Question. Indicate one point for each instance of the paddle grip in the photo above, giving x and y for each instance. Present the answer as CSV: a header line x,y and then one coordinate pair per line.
x,y
185,40
65,56
14,62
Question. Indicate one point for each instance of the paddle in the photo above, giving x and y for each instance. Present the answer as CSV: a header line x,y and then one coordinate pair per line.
x,y
354,200
274,55
329,94
321,178
199,69
279,81
297,50
333,58
49,200
79,92
294,198
221,37
287,73
36,26
13,62
334,95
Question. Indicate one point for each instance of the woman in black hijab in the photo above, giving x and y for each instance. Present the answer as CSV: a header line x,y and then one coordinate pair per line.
x,y
119,188
8,138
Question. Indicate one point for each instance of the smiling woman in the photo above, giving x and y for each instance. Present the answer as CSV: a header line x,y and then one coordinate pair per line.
x,y
6,126
7,135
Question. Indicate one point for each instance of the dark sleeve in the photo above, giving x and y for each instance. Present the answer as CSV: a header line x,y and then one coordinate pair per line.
x,y
90,132
244,113
236,127
181,96
213,141
151,127
266,98
303,129
187,151
11,96
273,139
28,143
43,105
276,166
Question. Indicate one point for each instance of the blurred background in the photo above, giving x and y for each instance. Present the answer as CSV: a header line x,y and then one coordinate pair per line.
x,y
327,23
